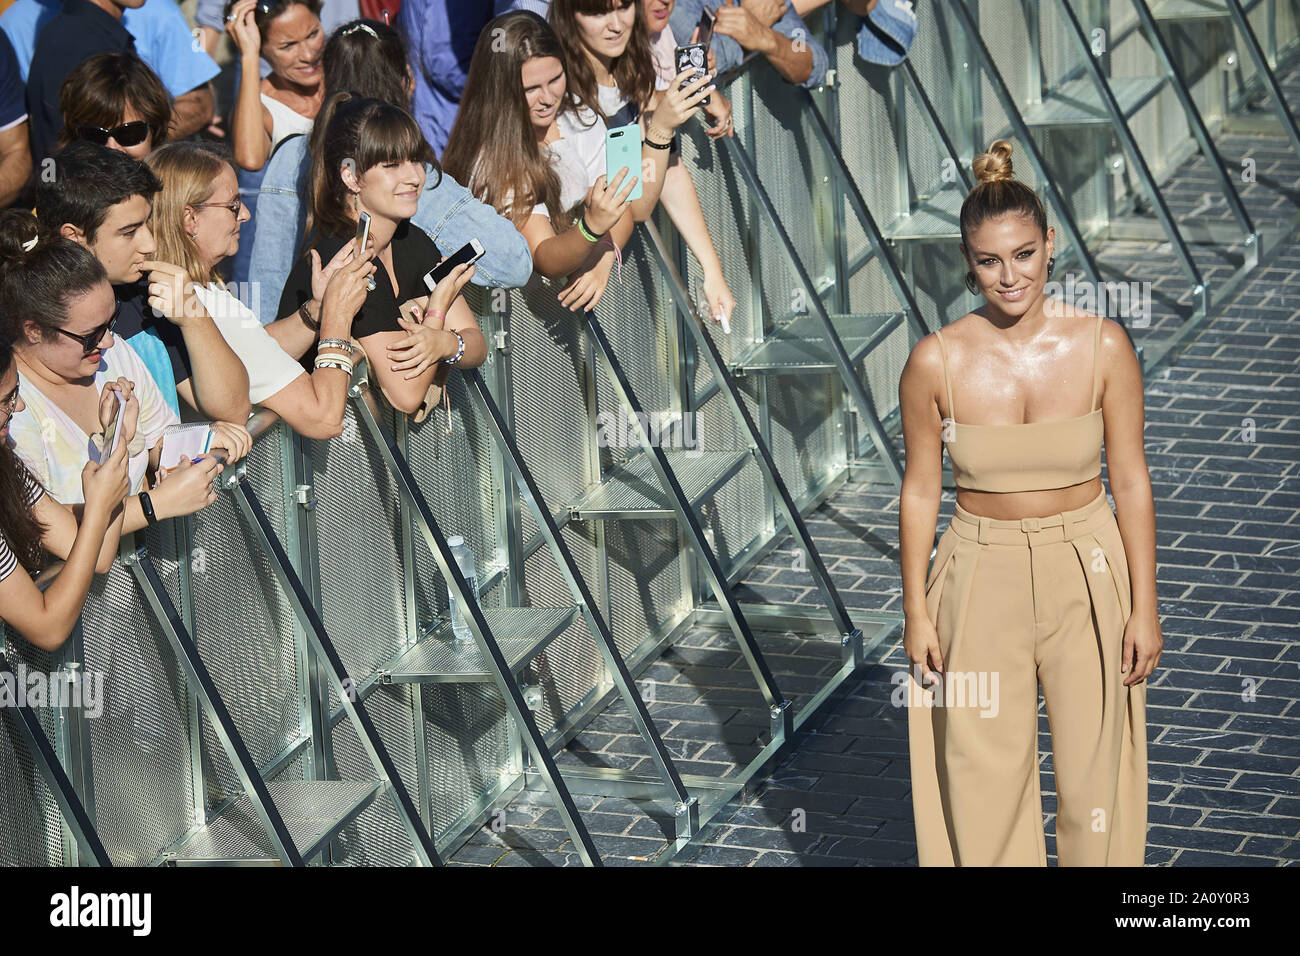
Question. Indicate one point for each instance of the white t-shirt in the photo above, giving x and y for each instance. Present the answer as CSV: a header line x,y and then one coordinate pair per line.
x,y
585,132
568,165
55,449
270,367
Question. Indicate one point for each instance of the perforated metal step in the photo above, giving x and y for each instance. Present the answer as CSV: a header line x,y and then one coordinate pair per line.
x,y
1077,103
521,632
632,490
802,345
935,217
313,810
1190,9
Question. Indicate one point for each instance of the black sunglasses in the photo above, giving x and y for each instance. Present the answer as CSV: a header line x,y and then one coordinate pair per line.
x,y
90,341
128,134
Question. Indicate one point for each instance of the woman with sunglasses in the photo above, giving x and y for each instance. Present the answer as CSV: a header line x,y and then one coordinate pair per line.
x,y
115,100
196,220
31,522
59,311
288,35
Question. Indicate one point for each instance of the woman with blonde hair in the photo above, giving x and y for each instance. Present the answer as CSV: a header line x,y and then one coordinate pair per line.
x,y
1034,580
195,221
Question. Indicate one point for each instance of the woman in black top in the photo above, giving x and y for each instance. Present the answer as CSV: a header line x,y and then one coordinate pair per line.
x,y
368,156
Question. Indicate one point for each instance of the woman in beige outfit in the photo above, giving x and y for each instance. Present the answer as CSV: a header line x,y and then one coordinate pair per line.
x,y
1034,580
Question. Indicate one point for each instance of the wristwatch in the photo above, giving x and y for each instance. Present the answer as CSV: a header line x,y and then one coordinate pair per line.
x,y
147,507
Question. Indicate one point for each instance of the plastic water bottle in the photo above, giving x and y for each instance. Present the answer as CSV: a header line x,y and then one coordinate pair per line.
x,y
465,561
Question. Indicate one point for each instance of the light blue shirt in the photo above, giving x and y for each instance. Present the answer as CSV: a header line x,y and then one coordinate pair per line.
x,y
163,39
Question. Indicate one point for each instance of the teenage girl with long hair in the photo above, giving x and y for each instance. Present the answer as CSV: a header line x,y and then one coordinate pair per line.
x,y
608,53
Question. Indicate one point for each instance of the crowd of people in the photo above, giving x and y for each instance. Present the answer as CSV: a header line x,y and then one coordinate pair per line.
x,y
166,260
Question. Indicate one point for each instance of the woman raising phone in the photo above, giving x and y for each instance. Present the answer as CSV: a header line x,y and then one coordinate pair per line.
x,y
368,157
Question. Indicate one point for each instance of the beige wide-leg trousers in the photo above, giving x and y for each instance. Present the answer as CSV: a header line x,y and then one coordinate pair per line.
x,y
1017,603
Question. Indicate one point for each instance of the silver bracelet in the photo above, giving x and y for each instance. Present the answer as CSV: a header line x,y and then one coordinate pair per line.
x,y
342,344
460,352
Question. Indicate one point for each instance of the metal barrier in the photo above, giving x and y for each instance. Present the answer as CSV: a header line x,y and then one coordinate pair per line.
x,y
280,680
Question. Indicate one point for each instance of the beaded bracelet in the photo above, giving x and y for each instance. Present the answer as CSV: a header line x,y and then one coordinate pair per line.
x,y
460,352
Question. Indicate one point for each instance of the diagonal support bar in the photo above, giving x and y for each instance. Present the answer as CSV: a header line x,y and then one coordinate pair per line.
x,y
187,653
398,468
794,520
674,788
342,682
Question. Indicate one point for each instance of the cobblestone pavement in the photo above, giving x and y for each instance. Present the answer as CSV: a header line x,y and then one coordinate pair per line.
x,y
1223,447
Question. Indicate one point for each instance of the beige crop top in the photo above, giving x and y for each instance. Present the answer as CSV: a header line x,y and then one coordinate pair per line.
x,y
1031,456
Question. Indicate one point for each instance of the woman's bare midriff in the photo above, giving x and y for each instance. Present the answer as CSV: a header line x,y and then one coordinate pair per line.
x,y
1010,505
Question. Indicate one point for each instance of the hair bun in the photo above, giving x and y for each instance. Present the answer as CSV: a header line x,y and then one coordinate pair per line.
x,y
995,165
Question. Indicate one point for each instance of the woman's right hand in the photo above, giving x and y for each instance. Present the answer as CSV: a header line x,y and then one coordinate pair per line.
x,y
607,200
921,645
243,28
680,102
187,488
104,485
130,409
320,276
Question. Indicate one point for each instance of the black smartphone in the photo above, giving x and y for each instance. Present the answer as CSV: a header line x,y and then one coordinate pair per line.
x,y
694,56
471,252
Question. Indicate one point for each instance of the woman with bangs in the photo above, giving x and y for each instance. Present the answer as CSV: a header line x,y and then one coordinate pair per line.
x,y
608,52
368,156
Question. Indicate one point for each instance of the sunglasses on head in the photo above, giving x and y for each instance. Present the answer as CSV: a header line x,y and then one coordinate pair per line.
x,y
90,341
128,134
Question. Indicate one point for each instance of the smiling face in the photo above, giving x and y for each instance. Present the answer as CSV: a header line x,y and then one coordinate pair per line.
x,y
9,393
87,312
605,35
544,86
1008,256
657,13
293,44
216,227
392,189
123,240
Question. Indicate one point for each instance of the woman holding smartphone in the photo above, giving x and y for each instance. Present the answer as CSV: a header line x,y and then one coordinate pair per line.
x,y
59,312
607,49
368,156
31,522
513,155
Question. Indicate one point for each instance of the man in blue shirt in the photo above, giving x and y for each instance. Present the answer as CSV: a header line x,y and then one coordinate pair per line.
x,y
757,26
15,156
50,42
440,36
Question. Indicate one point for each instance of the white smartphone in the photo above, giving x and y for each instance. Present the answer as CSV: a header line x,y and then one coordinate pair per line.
x,y
363,236
469,253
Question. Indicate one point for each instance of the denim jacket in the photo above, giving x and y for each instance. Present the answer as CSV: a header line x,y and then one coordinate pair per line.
x,y
448,212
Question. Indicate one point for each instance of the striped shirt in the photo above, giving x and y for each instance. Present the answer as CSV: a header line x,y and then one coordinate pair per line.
x,y
8,560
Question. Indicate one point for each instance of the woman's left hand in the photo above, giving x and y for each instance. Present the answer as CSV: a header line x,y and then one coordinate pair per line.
x,y
233,437
1142,646
587,286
